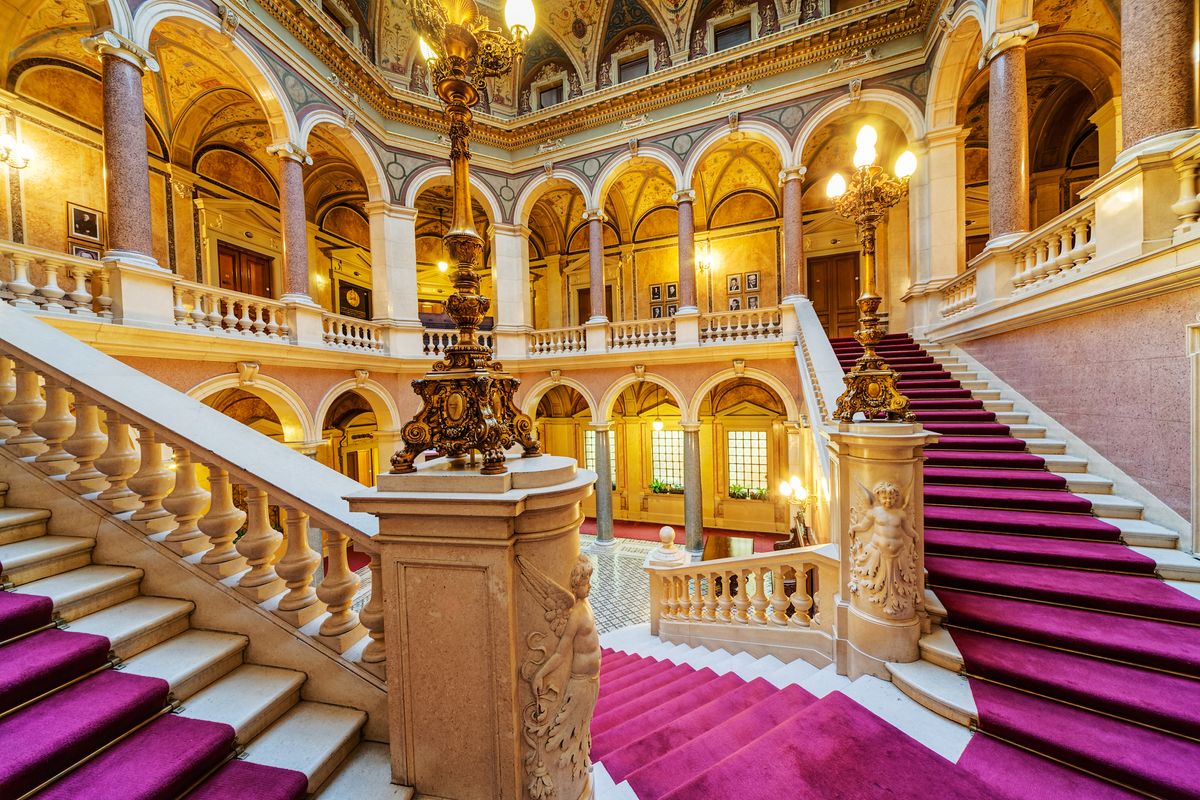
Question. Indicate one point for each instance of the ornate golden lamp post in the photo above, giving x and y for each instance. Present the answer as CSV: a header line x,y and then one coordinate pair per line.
x,y
870,385
467,398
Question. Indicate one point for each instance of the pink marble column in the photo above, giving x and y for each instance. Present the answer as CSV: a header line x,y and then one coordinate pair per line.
x,y
596,264
126,166
292,219
687,250
795,276
1156,68
1008,142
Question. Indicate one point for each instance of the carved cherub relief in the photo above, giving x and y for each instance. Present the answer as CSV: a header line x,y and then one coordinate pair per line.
x,y
883,550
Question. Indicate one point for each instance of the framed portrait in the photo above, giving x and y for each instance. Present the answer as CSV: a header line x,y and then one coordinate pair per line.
x,y
671,309
83,250
656,293
733,284
735,304
751,282
85,223
751,301
656,312
672,291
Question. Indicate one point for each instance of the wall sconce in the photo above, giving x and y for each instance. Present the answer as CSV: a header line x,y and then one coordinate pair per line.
x,y
16,154
443,266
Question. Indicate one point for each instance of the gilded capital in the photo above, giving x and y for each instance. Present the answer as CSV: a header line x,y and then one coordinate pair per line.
x,y
109,44
684,196
796,173
594,214
290,150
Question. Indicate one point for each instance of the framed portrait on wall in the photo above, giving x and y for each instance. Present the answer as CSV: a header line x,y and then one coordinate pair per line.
x,y
735,304
751,281
656,293
672,291
656,312
85,223
83,250
751,301
733,283
671,309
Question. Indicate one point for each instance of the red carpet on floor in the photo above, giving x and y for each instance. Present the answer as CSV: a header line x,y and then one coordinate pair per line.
x,y
648,532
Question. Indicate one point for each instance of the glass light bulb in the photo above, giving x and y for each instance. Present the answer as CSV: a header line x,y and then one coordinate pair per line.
x,y
24,152
906,164
427,52
864,156
785,489
657,425
867,137
442,266
837,185
796,485
7,142
520,14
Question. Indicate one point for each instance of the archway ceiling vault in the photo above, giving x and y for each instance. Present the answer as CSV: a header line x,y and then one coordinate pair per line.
x,y
1095,17
734,166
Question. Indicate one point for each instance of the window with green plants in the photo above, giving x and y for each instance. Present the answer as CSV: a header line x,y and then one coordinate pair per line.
x,y
666,462
746,452
589,453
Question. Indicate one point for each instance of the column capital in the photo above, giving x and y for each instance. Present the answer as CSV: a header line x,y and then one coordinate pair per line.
x,y
684,196
948,135
400,212
594,214
606,425
690,427
795,173
505,229
1006,40
109,44
290,150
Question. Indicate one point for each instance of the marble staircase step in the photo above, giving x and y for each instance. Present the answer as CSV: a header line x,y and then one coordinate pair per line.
x,y
29,560
137,624
249,699
82,591
1172,564
942,691
313,738
18,524
190,661
367,773
938,648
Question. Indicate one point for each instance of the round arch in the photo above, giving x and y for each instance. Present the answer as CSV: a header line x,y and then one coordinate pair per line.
x,y
270,94
625,381
763,377
297,423
956,53
364,157
387,415
1006,14
541,184
613,169
539,389
760,130
885,102
422,178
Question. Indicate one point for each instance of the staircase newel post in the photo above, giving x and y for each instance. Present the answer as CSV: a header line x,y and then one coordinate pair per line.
x,y
55,426
152,482
484,595
877,521
87,443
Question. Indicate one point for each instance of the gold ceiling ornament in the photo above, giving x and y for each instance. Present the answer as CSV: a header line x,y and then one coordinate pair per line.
x,y
870,384
467,399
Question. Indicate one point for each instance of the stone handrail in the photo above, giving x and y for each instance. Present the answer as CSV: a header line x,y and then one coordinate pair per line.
x,y
557,341
352,334
958,294
32,278
642,333
217,310
72,411
1064,244
752,325
742,603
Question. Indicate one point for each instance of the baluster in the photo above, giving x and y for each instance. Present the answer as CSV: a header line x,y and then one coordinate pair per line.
x,y
801,600
221,525
25,408
679,594
86,444
327,331
245,326
374,656
258,325
741,601
197,314
55,426
696,611
759,601
152,482
51,290
187,502
181,313
273,328
20,286
341,629
725,600
667,601
8,390
118,463
300,605
709,614
230,321
258,546
105,299
213,306
777,614
285,330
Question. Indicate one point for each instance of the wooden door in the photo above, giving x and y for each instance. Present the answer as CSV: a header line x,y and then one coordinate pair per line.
x,y
243,271
583,304
833,289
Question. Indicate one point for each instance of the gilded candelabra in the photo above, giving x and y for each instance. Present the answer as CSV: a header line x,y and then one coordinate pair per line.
x,y
467,398
870,384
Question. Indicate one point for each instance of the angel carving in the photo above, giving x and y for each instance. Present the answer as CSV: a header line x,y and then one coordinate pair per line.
x,y
564,676
883,550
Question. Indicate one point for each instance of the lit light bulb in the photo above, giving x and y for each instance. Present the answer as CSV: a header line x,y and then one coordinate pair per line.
x,y
785,489
837,185
657,425
519,14
442,266
906,165
864,156
867,137
7,142
427,52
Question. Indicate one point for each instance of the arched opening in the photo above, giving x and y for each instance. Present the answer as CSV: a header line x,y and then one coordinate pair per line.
x,y
349,430
251,410
559,266
435,211
335,195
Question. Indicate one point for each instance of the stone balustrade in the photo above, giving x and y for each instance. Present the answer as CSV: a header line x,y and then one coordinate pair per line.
x,y
558,341
641,334
782,601
42,280
752,325
208,308
434,341
351,334
958,295
1065,244
190,479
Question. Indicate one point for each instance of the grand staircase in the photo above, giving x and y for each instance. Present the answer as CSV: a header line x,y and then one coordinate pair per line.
x,y
1059,639
102,686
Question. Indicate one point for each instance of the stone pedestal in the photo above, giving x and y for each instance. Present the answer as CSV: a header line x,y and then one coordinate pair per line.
x,y
877,520
484,603
141,295
666,554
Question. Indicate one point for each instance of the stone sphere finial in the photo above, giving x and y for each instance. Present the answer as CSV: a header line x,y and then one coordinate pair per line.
x,y
666,537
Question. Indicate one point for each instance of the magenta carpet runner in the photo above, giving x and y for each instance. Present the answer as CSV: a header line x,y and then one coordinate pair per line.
x,y
74,728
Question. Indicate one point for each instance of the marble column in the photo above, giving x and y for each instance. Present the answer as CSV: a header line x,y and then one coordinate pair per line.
x,y
795,273
693,490
126,165
595,220
1008,134
604,502
292,160
1156,68
393,263
687,250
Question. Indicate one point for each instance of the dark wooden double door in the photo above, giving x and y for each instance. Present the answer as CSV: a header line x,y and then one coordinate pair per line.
x,y
243,271
833,289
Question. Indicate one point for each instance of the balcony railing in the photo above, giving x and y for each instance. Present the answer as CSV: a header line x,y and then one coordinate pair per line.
x,y
351,334
641,334
434,341
959,294
1064,244
558,341
754,325
216,310
36,279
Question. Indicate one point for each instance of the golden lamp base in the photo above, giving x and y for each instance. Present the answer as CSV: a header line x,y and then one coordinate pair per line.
x,y
871,383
